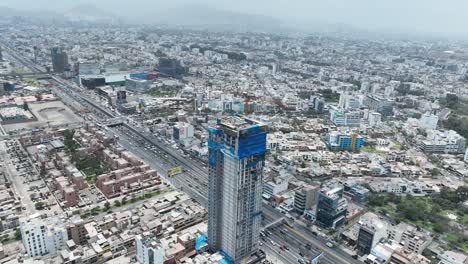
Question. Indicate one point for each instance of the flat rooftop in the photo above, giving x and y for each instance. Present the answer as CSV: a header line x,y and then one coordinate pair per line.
x,y
238,122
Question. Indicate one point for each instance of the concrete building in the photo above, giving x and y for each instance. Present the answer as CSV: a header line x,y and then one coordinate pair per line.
x,y
76,230
169,67
148,250
357,192
43,237
59,59
306,198
344,141
371,231
137,85
449,142
237,148
451,257
274,187
409,237
375,119
319,105
331,207
183,131
379,104
429,121
348,101
340,118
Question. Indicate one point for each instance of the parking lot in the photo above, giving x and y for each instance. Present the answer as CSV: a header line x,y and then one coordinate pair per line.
x,y
25,179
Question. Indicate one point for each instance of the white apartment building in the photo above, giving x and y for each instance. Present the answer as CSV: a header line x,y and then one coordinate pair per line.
x,y
43,236
409,237
274,187
183,131
148,250
437,141
349,101
428,121
375,119
340,118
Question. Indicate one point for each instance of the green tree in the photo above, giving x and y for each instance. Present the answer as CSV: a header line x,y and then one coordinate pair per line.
x,y
133,199
107,206
42,170
68,142
124,200
439,227
375,200
17,234
39,205
451,100
117,203
303,164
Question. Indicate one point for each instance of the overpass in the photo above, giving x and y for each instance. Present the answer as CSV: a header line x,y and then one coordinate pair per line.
x,y
175,99
273,223
27,75
113,122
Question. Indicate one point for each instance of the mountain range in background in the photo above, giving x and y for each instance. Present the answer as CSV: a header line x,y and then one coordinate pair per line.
x,y
192,16
90,13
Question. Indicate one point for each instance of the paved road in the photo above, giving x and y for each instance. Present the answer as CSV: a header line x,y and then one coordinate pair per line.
x,y
16,180
303,235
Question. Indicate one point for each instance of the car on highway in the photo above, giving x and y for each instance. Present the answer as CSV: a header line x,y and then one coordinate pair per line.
x,y
329,244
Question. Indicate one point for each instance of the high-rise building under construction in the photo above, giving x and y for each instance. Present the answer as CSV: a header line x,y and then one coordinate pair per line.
x,y
237,147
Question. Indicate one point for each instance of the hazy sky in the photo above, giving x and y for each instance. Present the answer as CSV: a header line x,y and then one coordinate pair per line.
x,y
421,16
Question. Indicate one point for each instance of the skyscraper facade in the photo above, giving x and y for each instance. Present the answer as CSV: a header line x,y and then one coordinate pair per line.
x,y
331,207
59,59
237,147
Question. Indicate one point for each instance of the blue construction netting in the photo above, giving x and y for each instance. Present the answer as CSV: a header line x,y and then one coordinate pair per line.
x,y
251,164
212,157
200,242
214,145
215,131
252,145
227,259
223,261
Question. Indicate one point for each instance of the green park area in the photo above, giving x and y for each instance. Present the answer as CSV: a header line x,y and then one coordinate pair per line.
x,y
458,119
91,165
443,214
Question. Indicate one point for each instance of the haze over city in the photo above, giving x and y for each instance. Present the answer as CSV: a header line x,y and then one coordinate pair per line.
x,y
233,132
426,17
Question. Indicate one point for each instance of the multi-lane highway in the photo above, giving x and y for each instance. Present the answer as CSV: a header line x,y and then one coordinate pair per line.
x,y
300,237
193,180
